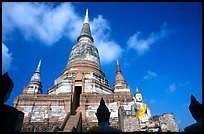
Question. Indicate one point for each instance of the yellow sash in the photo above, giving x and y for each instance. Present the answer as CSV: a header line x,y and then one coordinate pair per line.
x,y
141,112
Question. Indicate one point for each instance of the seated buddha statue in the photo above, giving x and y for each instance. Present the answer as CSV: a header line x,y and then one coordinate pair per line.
x,y
140,109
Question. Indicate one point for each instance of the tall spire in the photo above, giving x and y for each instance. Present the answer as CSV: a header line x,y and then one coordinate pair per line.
x,y
85,32
84,50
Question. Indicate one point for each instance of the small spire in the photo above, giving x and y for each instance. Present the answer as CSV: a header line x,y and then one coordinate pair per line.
x,y
120,83
86,20
35,86
119,80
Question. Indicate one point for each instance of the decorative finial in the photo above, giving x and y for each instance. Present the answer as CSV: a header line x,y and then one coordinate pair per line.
x,y
38,68
117,62
39,63
86,20
117,66
137,89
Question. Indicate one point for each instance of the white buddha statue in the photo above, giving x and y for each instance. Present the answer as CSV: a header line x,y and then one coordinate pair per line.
x,y
141,109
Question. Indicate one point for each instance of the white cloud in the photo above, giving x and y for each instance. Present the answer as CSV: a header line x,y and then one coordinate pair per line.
x,y
150,75
152,101
141,44
6,59
185,105
180,85
39,20
49,24
179,122
101,34
172,87
184,84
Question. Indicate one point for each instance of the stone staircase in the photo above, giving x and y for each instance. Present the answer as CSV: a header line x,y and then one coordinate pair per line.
x,y
71,123
74,123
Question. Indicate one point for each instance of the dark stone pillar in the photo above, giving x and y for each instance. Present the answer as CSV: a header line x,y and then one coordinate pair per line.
x,y
11,119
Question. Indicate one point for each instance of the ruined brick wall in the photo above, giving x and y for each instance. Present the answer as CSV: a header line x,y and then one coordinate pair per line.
x,y
168,123
128,123
41,110
163,123
131,124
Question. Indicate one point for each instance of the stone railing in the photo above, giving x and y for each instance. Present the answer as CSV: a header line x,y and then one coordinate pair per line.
x,y
74,123
61,127
77,125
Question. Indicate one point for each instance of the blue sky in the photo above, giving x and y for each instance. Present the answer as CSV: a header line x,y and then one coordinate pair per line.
x,y
159,47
